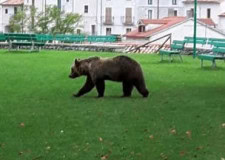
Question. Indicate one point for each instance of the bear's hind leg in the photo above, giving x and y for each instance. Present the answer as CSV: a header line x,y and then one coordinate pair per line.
x,y
140,85
127,89
100,86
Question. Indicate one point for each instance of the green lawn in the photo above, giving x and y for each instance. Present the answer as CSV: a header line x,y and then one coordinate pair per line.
x,y
40,120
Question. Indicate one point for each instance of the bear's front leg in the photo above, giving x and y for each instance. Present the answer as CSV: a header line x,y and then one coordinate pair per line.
x,y
88,86
100,86
127,89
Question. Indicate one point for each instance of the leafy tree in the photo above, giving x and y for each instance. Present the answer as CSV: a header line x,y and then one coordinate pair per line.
x,y
63,23
17,22
43,21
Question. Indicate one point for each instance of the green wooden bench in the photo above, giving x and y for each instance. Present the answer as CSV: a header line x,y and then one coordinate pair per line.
x,y
213,41
94,39
175,49
17,40
44,38
218,53
69,38
2,37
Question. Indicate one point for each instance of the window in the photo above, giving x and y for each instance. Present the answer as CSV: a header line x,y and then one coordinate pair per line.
x,y
6,11
108,31
149,14
192,12
15,10
175,13
174,2
93,29
128,16
208,13
141,28
86,9
128,30
150,2
78,31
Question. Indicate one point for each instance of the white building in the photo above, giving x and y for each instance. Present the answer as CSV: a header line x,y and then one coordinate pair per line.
x,y
102,17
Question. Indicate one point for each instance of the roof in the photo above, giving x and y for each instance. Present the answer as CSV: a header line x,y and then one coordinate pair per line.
x,y
207,21
222,15
164,24
203,1
12,3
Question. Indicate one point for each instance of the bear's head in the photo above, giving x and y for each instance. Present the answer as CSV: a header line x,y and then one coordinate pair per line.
x,y
78,68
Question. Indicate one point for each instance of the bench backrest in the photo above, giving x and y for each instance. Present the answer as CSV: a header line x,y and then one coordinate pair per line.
x,y
44,37
213,41
101,38
20,37
199,40
177,45
219,48
2,37
70,38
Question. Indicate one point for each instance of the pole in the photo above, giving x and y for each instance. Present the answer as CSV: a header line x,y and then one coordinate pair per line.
x,y
158,9
195,28
101,18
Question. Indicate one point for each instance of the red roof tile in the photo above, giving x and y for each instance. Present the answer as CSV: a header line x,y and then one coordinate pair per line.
x,y
164,23
207,21
12,2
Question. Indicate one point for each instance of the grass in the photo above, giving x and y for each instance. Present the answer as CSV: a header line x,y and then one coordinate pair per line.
x,y
40,120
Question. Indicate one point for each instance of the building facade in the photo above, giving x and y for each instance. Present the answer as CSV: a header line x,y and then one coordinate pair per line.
x,y
104,17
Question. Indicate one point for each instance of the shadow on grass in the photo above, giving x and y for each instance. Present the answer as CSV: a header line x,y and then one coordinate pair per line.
x,y
109,97
210,68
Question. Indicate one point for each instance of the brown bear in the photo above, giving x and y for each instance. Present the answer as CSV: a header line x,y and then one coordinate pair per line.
x,y
120,69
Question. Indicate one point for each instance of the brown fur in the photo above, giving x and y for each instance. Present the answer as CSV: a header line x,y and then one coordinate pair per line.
x,y
120,69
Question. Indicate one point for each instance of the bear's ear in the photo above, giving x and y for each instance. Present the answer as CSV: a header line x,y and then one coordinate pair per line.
x,y
77,62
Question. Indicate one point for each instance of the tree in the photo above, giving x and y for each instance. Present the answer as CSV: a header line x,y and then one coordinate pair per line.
x,y
43,21
63,23
17,22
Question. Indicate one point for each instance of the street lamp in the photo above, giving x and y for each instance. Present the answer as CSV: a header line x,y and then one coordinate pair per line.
x,y
195,27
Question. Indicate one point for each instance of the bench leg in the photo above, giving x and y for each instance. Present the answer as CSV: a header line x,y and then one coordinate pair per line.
x,y
201,63
181,58
170,58
161,57
213,63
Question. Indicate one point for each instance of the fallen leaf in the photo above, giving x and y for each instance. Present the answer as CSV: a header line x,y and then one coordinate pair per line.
x,y
163,156
151,137
182,153
199,148
222,158
223,125
100,139
22,124
48,148
104,157
188,133
20,153
173,131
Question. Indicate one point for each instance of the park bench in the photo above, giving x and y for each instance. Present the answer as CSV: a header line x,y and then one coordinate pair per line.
x,y
44,38
2,37
70,38
213,41
26,40
201,44
104,39
218,53
175,49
